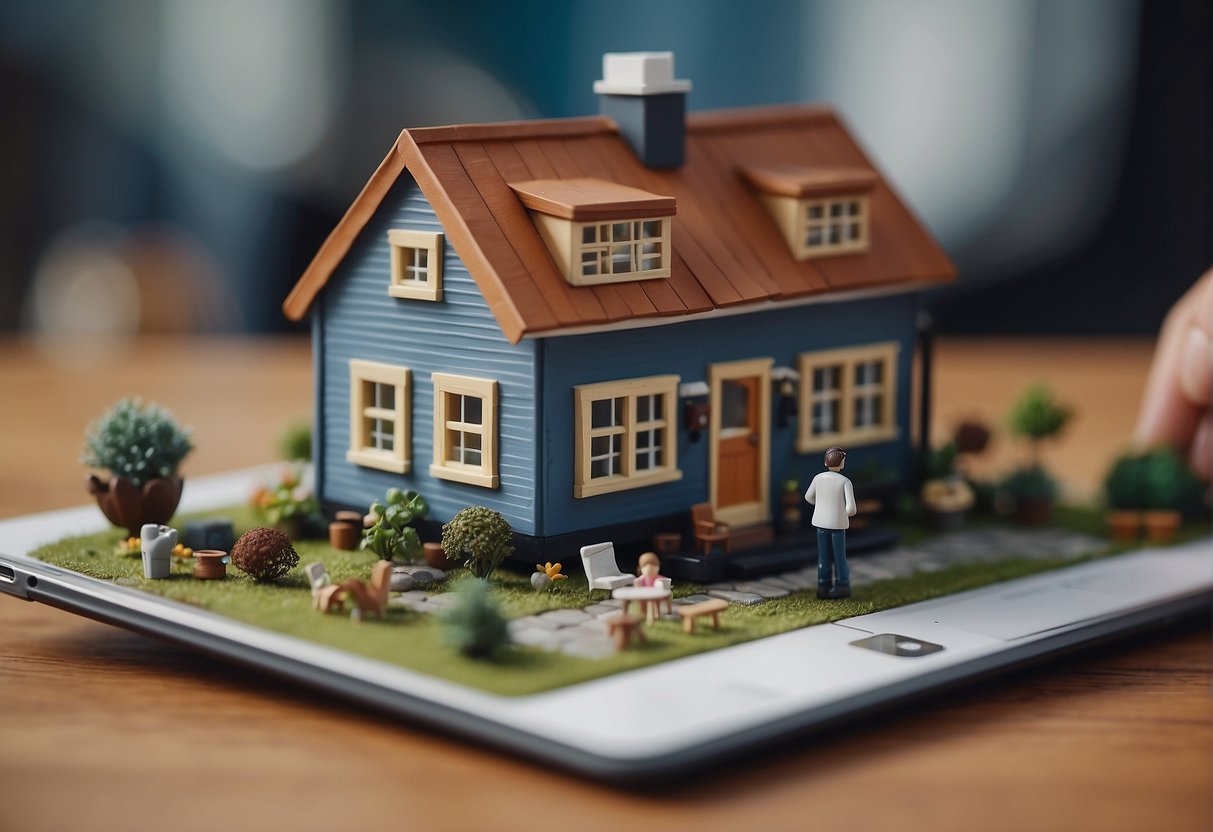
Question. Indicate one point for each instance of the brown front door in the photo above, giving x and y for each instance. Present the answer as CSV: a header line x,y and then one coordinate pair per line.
x,y
740,437
738,447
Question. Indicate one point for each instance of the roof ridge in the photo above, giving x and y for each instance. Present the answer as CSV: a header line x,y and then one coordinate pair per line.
x,y
527,129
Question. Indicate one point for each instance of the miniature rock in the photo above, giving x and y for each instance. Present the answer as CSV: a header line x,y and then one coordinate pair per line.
x,y
402,582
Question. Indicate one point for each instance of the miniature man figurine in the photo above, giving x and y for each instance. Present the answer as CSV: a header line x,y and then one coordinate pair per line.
x,y
833,502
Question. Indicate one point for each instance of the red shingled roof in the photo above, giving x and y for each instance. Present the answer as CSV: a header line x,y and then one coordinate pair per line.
x,y
727,250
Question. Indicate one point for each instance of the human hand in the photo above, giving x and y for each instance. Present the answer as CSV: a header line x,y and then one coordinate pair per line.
x,y
1175,408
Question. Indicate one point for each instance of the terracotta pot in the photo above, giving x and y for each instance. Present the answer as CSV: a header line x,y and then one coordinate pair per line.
x,y
209,565
130,507
1161,525
1124,524
1033,512
435,557
345,535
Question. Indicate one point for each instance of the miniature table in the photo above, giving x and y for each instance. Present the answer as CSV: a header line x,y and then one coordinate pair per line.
x,y
1117,737
649,597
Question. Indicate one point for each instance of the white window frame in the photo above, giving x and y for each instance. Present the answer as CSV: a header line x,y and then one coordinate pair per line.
x,y
848,392
416,267
446,419
365,407
835,214
630,428
565,240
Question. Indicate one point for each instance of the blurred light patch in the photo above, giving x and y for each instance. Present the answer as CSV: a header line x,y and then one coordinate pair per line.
x,y
1003,122
84,287
256,82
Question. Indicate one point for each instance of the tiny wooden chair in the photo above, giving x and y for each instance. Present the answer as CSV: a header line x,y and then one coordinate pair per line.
x,y
707,531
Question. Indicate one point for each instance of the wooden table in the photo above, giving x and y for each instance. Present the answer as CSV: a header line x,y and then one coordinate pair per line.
x,y
649,597
103,729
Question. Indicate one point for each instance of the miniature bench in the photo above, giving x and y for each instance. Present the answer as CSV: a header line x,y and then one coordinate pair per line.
x,y
624,628
690,612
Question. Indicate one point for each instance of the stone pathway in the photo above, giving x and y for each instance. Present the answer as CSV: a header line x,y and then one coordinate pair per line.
x,y
582,632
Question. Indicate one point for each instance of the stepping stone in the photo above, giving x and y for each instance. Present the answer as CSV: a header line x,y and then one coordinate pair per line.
x,y
603,616
564,618
593,626
762,588
537,637
595,610
401,582
800,581
440,602
691,599
589,647
517,625
783,583
415,604
745,599
413,595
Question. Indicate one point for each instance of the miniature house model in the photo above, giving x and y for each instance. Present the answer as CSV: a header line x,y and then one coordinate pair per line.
x,y
592,324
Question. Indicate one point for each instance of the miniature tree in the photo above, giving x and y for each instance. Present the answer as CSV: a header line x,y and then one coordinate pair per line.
x,y
141,446
138,441
264,554
1038,416
480,537
473,624
392,536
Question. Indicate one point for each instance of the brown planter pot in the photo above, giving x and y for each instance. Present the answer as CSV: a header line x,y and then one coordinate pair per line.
x,y
1161,525
130,507
1033,512
209,565
344,535
435,557
1124,525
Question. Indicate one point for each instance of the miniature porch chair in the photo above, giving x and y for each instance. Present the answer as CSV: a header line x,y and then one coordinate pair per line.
x,y
601,571
707,531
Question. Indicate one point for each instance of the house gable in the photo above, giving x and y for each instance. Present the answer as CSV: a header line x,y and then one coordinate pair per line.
x,y
360,321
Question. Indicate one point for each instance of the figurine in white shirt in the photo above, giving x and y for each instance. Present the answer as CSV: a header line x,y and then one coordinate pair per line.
x,y
833,501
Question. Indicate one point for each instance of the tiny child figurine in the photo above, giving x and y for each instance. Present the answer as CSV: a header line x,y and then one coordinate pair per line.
x,y
648,570
833,502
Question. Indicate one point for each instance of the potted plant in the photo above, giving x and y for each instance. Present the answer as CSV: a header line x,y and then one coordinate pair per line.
x,y
948,499
141,445
479,536
1155,486
1036,416
391,534
1032,491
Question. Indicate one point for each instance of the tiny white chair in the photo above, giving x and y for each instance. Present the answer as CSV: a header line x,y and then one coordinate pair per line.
x,y
601,571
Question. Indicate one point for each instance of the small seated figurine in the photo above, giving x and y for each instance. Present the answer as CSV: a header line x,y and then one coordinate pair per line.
x,y
649,570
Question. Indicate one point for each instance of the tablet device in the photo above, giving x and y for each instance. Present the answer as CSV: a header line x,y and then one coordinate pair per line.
x,y
679,714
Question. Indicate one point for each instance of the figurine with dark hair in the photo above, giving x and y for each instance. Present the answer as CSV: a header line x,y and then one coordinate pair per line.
x,y
833,501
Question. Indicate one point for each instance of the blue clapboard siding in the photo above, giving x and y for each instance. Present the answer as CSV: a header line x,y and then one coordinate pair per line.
x,y
455,335
686,350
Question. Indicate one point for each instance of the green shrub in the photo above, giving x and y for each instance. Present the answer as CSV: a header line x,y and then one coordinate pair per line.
x,y
480,537
136,441
1157,479
473,624
392,537
1031,483
295,444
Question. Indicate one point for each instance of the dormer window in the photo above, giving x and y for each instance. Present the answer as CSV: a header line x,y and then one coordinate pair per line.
x,y
821,211
601,232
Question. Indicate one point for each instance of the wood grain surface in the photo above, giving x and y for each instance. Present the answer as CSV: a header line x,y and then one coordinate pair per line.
x,y
103,729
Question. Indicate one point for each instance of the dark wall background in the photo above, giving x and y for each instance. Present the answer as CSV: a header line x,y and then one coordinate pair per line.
x,y
167,164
